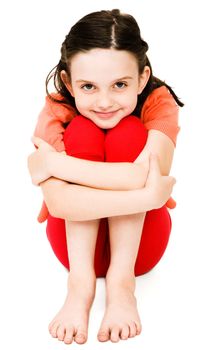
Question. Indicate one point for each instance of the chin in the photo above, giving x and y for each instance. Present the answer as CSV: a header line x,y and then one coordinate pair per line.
x,y
106,124
110,126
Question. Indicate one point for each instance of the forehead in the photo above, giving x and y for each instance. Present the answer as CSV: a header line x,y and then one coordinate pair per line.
x,y
97,63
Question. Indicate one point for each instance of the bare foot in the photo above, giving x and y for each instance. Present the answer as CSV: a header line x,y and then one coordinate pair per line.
x,y
71,322
121,319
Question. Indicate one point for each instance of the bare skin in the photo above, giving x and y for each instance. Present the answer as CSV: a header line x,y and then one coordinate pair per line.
x,y
121,319
71,322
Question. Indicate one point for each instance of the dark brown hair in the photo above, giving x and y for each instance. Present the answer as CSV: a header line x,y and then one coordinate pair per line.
x,y
105,29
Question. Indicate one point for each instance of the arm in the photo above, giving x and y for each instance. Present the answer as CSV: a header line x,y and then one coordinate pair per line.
x,y
45,163
115,176
79,203
107,176
161,145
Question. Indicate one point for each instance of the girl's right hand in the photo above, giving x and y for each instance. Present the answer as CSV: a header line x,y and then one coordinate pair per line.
x,y
158,187
38,161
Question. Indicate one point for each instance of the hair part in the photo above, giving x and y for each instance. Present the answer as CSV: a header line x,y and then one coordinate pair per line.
x,y
105,30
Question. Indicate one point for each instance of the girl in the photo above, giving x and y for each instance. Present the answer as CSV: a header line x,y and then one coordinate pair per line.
x,y
107,185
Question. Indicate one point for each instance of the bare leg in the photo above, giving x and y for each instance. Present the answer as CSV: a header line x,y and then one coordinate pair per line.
x,y
72,320
121,319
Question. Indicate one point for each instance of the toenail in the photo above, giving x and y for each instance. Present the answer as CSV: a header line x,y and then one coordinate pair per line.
x,y
80,337
115,339
102,334
67,340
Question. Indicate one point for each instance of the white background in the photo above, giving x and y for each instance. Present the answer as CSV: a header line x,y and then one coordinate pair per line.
x,y
176,300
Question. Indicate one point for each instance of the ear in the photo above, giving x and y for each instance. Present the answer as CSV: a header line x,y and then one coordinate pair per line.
x,y
65,78
143,79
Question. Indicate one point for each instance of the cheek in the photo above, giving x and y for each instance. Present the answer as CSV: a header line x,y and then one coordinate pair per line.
x,y
82,102
130,100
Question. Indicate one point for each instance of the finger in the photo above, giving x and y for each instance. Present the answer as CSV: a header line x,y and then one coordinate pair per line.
x,y
171,179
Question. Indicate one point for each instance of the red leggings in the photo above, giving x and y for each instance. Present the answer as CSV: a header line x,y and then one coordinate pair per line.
x,y
123,143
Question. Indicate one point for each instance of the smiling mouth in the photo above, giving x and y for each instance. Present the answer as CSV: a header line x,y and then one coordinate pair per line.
x,y
105,115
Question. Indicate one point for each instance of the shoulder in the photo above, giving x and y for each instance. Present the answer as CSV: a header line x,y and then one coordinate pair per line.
x,y
59,110
160,112
160,100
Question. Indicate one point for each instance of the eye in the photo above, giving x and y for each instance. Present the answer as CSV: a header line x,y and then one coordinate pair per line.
x,y
120,84
88,87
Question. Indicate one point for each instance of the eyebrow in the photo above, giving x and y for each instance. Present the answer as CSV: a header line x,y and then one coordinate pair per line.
x,y
91,82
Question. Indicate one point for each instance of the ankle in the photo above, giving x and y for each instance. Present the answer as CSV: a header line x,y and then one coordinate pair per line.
x,y
122,279
85,277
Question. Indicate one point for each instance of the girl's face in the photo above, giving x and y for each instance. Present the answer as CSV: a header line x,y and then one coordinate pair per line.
x,y
105,84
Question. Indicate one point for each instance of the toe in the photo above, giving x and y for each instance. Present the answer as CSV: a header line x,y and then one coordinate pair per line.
x,y
81,336
138,327
69,336
114,337
53,329
103,334
61,333
51,325
125,332
133,329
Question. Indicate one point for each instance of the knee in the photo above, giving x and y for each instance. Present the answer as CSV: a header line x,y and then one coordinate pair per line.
x,y
84,139
126,140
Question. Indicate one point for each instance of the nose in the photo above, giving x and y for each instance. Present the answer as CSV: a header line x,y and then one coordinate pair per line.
x,y
104,101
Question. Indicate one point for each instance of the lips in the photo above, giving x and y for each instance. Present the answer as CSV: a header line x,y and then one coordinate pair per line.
x,y
105,115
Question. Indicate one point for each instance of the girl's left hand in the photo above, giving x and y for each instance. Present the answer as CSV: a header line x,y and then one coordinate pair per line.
x,y
38,161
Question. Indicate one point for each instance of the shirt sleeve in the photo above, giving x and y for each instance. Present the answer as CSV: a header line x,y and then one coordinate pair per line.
x,y
51,120
160,112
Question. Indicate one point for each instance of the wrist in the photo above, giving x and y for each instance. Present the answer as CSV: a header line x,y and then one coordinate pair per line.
x,y
146,200
52,163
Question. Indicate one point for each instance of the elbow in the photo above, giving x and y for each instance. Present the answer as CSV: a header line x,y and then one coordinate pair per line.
x,y
58,209
55,197
53,208
65,202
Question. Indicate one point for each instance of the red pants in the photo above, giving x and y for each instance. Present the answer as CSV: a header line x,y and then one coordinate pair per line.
x,y
123,143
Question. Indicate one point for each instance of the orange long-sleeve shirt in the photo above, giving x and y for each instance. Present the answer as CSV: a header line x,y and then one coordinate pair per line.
x,y
159,112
